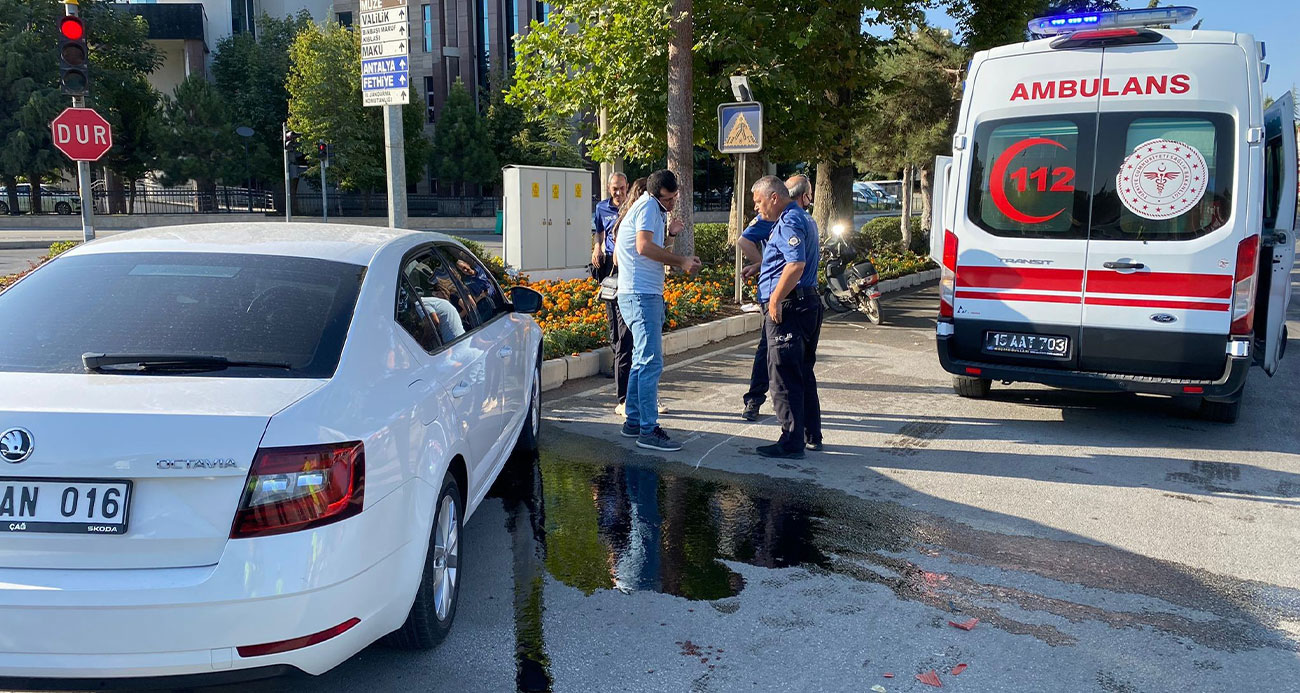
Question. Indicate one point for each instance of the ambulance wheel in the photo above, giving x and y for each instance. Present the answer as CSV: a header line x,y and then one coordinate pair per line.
x,y
967,386
1221,412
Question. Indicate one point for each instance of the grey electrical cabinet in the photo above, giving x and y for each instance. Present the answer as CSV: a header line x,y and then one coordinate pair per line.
x,y
547,224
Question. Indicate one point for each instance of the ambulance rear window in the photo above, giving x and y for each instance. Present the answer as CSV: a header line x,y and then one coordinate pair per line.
x,y
1162,177
1025,177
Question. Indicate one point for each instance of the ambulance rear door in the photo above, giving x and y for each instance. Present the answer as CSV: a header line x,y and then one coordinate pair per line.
x,y
1169,209
1277,246
1021,220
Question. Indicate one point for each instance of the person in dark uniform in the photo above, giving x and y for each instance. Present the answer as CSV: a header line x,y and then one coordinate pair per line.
x,y
788,278
604,224
752,242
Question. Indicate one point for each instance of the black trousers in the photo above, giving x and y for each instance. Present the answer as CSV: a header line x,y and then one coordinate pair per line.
x,y
791,355
758,375
620,342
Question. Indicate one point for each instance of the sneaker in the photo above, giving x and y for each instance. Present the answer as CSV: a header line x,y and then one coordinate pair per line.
x,y
621,409
815,446
775,450
663,409
631,430
751,411
658,440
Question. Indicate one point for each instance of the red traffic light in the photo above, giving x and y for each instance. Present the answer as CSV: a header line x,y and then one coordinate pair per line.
x,y
72,28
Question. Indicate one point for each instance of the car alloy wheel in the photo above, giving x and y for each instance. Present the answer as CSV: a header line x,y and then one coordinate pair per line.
x,y
434,607
446,557
63,208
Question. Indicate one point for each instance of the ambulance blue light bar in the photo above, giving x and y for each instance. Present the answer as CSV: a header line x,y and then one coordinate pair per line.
x,y
1069,23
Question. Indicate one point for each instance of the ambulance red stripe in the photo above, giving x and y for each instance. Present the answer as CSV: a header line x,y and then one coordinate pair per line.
x,y
1033,278
1036,298
1153,303
1161,284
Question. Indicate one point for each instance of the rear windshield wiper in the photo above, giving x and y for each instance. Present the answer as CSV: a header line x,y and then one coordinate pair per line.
x,y
96,363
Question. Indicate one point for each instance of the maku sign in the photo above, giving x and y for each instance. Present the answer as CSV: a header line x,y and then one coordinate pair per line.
x,y
740,127
385,45
82,134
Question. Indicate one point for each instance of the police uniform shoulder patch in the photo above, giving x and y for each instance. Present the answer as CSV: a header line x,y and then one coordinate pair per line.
x,y
794,241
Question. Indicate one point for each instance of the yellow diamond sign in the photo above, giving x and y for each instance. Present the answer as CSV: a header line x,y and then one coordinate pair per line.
x,y
740,128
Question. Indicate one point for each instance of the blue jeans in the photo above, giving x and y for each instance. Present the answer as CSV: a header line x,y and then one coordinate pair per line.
x,y
644,315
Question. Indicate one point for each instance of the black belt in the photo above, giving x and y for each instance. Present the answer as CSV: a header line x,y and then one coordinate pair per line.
x,y
801,292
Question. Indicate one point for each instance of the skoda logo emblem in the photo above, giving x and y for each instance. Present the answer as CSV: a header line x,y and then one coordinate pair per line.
x,y
1163,318
15,445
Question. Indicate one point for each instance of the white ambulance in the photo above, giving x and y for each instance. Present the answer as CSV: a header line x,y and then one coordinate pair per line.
x,y
1118,212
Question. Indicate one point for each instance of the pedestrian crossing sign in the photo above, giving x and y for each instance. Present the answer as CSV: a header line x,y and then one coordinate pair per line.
x,y
740,127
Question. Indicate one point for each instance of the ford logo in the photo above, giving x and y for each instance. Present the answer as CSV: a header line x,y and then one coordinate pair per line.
x,y
1163,318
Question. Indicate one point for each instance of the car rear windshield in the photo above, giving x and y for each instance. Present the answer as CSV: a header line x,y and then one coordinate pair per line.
x,y
248,308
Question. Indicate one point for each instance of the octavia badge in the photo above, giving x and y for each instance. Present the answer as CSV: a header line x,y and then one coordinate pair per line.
x,y
15,445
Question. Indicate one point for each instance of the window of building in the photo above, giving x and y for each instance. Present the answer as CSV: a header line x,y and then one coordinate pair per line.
x,y
345,19
484,57
427,13
510,30
453,71
241,16
430,116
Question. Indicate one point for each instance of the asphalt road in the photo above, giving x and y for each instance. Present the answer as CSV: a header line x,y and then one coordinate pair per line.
x,y
1104,542
13,261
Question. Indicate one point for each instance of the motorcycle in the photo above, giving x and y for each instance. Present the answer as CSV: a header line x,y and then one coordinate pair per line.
x,y
851,279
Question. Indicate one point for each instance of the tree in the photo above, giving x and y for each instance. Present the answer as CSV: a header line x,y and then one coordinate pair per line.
x,y
136,117
681,123
251,75
913,112
462,152
325,105
516,140
29,80
199,141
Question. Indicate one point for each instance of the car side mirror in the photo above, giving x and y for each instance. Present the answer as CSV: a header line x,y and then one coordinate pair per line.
x,y
525,300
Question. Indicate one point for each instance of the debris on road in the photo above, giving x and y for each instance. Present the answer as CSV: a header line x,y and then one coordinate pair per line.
x,y
879,688
930,678
958,669
965,625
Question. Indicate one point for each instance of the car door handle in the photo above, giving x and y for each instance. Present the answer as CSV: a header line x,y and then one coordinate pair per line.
x,y
1124,265
506,352
461,389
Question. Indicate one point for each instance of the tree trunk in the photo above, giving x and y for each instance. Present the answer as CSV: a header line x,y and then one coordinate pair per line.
x,y
34,194
833,196
130,200
927,210
11,192
681,135
905,221
755,168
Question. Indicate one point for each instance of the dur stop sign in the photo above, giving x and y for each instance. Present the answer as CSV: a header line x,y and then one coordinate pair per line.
x,y
82,134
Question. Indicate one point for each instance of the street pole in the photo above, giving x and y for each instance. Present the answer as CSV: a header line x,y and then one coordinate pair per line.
x,y
740,223
395,154
288,199
324,202
83,167
248,178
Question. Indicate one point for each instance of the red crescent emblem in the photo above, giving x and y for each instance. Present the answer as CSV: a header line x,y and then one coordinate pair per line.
x,y
998,176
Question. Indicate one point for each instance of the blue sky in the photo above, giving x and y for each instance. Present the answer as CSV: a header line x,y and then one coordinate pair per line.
x,y
1275,22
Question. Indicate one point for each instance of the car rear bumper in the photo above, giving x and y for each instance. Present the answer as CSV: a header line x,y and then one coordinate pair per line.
x,y
108,628
1226,387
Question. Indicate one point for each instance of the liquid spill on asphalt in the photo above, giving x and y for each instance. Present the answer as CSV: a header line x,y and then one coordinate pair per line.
x,y
640,524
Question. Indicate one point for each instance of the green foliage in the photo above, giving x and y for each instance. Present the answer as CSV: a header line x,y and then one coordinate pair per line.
x,y
325,104
884,235
59,247
712,246
462,151
198,141
517,141
251,74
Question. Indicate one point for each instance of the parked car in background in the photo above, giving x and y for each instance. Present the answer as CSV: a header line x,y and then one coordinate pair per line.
x,y
58,201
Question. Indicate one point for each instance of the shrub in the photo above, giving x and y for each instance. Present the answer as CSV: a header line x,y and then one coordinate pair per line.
x,y
885,236
60,247
712,245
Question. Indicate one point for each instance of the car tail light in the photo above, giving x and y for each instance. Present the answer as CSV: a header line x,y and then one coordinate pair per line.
x,y
948,277
1243,287
296,488
296,643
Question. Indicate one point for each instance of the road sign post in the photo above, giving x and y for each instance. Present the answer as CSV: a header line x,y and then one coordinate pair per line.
x,y
740,132
83,136
386,82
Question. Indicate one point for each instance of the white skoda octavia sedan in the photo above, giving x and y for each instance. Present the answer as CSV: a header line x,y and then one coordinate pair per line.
x,y
233,450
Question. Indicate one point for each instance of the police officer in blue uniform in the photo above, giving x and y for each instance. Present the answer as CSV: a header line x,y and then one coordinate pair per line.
x,y
602,258
788,280
753,240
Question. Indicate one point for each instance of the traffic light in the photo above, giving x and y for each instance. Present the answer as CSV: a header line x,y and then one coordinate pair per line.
x,y
291,139
324,152
73,73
